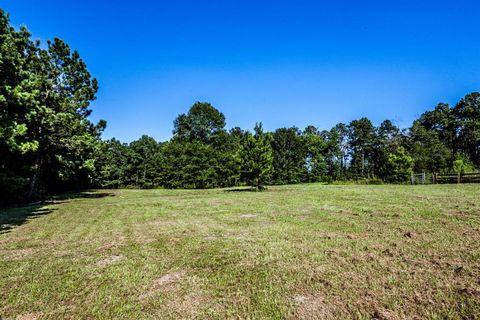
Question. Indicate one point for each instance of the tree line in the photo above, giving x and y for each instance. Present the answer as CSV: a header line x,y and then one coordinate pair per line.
x,y
48,144
203,154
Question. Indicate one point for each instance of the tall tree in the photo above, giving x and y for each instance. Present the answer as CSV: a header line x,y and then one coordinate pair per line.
x,y
45,95
256,158
61,127
314,163
226,147
113,166
336,151
145,151
288,156
429,153
200,123
362,136
467,113
387,141
443,122
17,100
188,165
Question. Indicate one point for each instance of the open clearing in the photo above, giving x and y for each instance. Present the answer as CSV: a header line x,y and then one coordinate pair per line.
x,y
304,251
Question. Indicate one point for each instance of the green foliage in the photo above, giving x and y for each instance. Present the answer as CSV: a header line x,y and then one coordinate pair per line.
x,y
336,152
46,139
462,164
388,139
314,163
289,156
400,165
467,115
455,129
200,123
256,158
429,153
144,161
189,165
361,137
200,161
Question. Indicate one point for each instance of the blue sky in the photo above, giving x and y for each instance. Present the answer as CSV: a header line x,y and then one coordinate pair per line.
x,y
284,63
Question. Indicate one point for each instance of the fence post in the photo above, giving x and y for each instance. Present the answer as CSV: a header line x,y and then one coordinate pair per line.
x,y
423,177
434,178
412,179
458,177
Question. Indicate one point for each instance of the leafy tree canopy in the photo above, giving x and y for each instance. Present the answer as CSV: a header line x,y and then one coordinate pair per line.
x,y
200,123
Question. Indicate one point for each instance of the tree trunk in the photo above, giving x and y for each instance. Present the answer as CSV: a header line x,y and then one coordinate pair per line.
x,y
373,170
257,184
33,180
363,162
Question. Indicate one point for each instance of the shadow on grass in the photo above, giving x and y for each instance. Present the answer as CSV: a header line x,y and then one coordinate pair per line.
x,y
246,189
16,216
11,218
89,194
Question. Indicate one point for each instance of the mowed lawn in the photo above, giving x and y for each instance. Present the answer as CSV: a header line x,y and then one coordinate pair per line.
x,y
304,251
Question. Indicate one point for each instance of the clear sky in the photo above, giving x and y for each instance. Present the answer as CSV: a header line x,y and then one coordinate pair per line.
x,y
283,63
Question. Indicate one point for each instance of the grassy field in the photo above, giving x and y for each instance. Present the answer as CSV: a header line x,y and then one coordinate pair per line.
x,y
304,251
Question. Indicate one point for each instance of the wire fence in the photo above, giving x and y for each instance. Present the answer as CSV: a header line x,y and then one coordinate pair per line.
x,y
436,178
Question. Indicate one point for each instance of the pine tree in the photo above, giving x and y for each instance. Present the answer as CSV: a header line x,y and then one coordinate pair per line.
x,y
256,158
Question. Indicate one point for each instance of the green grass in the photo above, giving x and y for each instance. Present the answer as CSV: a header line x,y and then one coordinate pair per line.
x,y
304,251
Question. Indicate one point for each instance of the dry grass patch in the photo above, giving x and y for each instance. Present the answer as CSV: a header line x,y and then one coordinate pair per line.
x,y
16,254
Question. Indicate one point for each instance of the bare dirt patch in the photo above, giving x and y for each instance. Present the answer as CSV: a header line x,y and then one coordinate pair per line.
x,y
311,307
169,279
383,314
116,242
190,305
108,261
248,216
211,238
63,253
2,241
28,316
185,298
166,283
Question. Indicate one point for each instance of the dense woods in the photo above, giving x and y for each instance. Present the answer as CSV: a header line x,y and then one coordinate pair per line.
x,y
48,144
